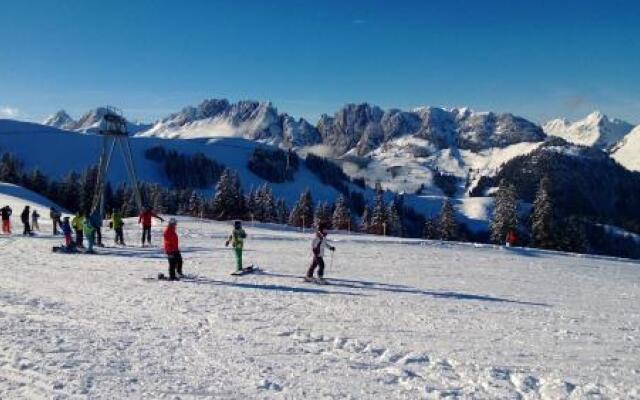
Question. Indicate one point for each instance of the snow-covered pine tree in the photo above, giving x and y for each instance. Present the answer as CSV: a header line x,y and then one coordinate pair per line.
x,y
282,212
225,201
322,215
266,204
365,221
302,213
394,222
378,215
542,219
431,231
447,225
505,216
251,203
195,207
341,215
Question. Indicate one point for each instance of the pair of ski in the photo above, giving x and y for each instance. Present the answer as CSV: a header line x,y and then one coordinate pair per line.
x,y
317,281
247,270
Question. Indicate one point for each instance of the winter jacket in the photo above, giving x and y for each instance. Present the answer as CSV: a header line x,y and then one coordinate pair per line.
x,y
170,240
237,238
318,244
96,220
35,215
77,222
145,218
87,228
512,238
116,220
66,228
6,213
54,215
24,217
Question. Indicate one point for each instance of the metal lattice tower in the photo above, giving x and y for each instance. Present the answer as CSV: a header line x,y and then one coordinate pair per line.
x,y
113,130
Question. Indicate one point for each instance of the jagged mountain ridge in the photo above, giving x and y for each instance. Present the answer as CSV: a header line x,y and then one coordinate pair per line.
x,y
355,127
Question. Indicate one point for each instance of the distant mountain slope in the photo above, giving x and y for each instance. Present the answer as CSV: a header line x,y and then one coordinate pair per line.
x,y
627,151
18,197
596,130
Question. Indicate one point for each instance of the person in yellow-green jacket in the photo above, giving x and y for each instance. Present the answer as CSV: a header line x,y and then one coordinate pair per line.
x,y
237,237
77,224
118,224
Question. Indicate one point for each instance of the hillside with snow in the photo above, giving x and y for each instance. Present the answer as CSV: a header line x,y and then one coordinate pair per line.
x,y
401,319
627,151
595,130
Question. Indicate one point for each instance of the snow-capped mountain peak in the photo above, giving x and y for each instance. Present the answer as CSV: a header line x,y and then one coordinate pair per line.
x,y
596,130
60,120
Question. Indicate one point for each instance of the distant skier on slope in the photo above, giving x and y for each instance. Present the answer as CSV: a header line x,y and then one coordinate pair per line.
x,y
6,212
65,226
55,216
89,233
237,237
172,250
34,220
511,239
318,244
118,225
145,219
24,217
78,226
96,220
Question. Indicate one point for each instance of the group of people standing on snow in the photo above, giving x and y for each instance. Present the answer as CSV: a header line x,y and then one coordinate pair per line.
x,y
30,220
236,240
82,228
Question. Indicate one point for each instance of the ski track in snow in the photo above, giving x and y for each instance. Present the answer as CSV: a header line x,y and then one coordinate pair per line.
x,y
398,321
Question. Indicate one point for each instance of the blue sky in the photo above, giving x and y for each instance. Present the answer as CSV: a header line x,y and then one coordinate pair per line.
x,y
538,59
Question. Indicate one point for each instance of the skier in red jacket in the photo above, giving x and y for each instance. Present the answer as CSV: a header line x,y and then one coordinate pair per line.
x,y
172,249
145,219
511,239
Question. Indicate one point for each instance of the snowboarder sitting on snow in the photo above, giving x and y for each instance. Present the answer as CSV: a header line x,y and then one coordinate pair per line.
x,y
90,233
6,212
24,217
78,226
145,220
172,249
237,237
118,224
66,231
318,245
511,239
34,220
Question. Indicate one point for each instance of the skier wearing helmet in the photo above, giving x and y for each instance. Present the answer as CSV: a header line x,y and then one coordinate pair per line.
x,y
172,250
318,244
237,237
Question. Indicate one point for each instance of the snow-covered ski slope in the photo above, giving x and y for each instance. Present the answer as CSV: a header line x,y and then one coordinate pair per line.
x,y
402,319
17,197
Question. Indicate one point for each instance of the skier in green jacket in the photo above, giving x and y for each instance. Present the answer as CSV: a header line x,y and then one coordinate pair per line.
x,y
237,242
117,224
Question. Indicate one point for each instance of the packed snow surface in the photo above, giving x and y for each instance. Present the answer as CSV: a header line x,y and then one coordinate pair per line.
x,y
400,319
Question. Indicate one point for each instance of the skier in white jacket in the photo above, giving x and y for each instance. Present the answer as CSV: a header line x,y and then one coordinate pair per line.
x,y
318,244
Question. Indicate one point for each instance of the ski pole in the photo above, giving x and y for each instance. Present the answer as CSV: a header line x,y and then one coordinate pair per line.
x,y
331,266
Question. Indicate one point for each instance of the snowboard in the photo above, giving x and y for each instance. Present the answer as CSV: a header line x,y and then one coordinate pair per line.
x,y
246,270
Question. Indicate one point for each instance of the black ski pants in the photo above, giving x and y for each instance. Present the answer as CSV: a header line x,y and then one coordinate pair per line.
x,y
79,237
175,264
119,236
319,263
146,234
27,228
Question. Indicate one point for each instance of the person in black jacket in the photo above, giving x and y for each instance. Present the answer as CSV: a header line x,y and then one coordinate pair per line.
x,y
6,212
24,217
